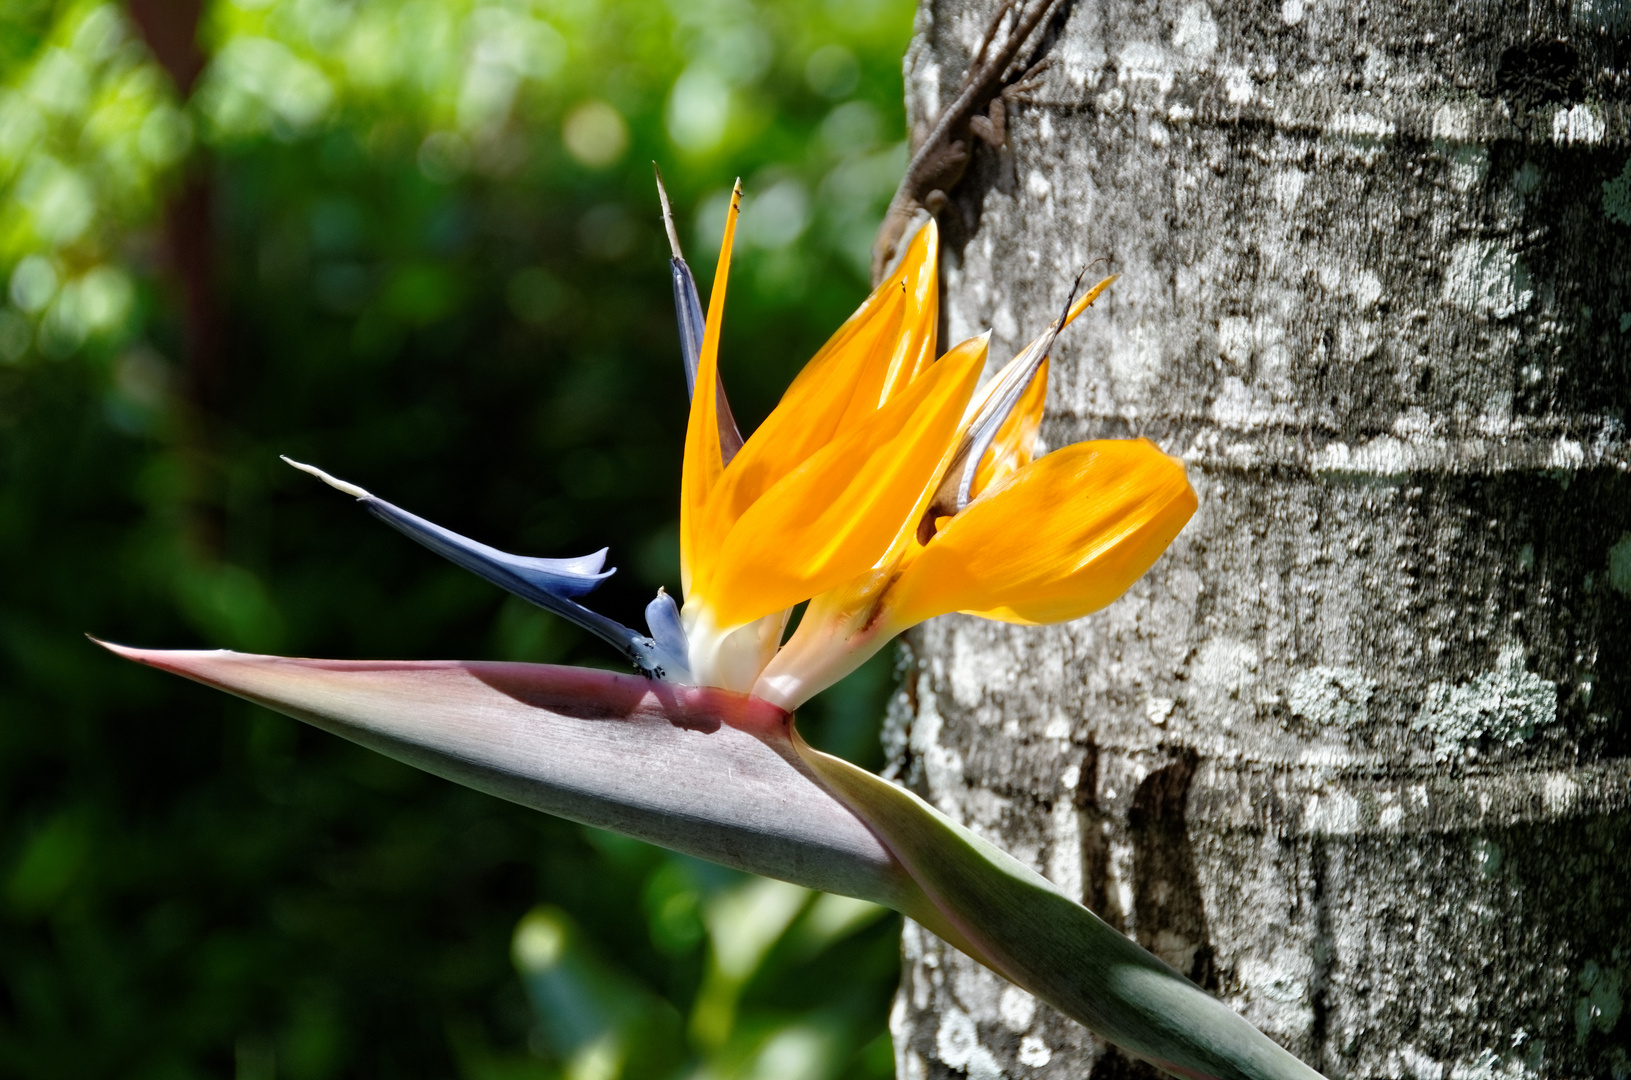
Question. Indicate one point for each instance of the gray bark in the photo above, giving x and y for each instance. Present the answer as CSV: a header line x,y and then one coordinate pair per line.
x,y
1354,754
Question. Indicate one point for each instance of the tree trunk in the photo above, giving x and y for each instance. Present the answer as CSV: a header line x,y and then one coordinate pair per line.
x,y
1354,753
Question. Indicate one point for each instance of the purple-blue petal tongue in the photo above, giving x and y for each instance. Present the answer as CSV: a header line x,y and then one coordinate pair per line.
x,y
552,584
688,311
955,490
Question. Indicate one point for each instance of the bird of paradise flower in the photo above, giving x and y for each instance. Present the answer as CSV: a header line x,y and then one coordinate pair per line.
x,y
885,489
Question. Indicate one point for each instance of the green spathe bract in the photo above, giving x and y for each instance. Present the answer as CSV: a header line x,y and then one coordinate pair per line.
x,y
1017,923
725,777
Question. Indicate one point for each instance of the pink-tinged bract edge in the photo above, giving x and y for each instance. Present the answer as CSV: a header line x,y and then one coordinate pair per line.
x,y
725,777
702,771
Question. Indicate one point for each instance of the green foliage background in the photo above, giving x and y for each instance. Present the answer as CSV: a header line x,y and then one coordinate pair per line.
x,y
437,272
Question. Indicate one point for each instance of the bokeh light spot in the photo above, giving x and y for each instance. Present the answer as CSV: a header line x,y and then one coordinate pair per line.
x,y
595,134
698,109
33,284
832,71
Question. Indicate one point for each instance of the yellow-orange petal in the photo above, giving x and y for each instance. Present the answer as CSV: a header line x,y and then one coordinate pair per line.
x,y
981,438
1015,441
1062,537
703,462
859,381
848,380
1085,301
838,512
993,390
919,283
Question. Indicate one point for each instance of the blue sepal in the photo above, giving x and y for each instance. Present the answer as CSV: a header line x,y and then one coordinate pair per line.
x,y
544,582
550,583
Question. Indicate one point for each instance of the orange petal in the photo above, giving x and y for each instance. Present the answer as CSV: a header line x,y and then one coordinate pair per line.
x,y
885,369
1064,536
1015,442
997,404
919,282
866,361
1085,301
703,460
838,512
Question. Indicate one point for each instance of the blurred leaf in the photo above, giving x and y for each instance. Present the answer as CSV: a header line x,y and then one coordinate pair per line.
x,y
49,862
742,926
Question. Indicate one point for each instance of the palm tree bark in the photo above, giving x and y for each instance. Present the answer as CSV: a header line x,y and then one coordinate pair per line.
x,y
1354,755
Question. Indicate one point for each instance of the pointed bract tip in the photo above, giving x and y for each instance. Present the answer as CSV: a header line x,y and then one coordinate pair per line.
x,y
144,657
128,652
332,481
668,214
164,659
